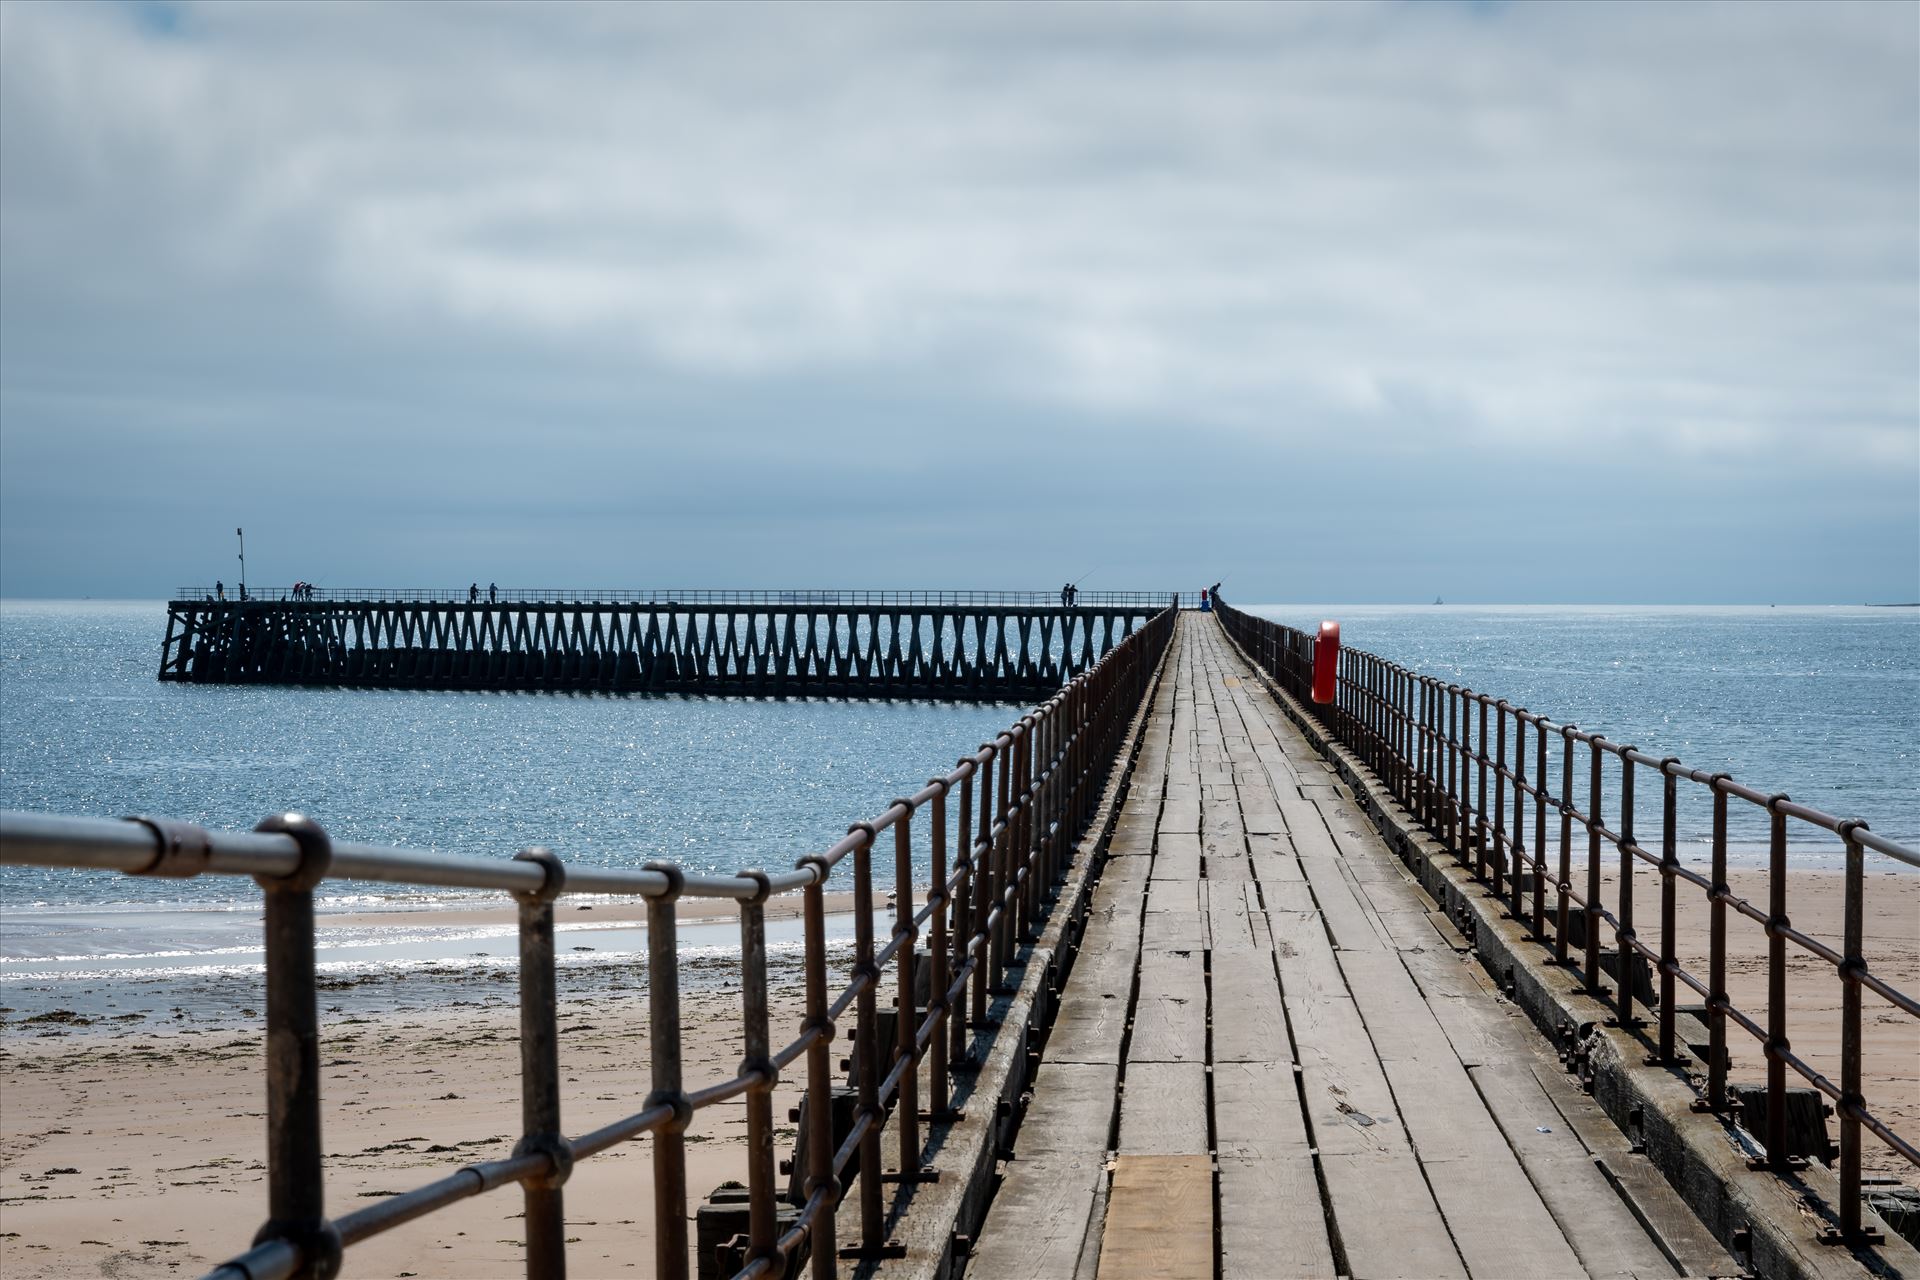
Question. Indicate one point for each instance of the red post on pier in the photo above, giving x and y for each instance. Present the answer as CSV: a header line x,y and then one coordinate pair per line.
x,y
1326,663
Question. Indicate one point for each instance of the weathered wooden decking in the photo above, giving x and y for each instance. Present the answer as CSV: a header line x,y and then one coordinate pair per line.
x,y
1272,1057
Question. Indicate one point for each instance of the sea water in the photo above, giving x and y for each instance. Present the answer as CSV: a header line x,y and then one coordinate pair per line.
x,y
1823,703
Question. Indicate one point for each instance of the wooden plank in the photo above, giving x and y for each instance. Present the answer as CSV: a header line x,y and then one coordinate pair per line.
x,y
1265,822
1180,816
1159,1219
1271,1219
1605,1235
1228,929
1039,1218
1229,867
1123,871
1497,1217
1178,856
1249,1019
1360,1184
1174,931
1072,1110
1635,1177
1174,895
1089,1028
1170,1014
1164,1109
1347,919
1107,971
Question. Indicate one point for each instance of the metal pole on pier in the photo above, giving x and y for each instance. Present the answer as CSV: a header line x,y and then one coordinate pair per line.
x,y
242,535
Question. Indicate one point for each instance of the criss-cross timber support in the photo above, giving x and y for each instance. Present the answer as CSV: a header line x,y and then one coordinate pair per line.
x,y
948,651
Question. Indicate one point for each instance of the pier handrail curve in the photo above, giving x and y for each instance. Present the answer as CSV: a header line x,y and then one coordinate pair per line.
x,y
1061,750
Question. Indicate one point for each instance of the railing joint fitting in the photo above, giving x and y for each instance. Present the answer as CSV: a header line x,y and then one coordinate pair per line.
x,y
559,1153
318,1244
763,886
676,880
555,883
316,853
181,849
677,1101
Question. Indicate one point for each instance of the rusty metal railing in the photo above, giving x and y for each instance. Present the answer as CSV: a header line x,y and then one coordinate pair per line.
x,y
1022,801
1458,761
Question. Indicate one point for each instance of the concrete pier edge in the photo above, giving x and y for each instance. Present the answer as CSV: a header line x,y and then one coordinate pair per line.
x,y
1771,1224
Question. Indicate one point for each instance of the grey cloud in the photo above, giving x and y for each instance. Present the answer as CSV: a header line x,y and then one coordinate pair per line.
x,y
769,250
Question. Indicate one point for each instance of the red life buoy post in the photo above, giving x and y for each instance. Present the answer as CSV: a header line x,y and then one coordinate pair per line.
x,y
1326,662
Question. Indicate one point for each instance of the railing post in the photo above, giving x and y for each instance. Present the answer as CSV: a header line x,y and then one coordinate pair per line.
x,y
1851,1097
1502,839
982,895
866,1046
669,1140
1517,841
1777,1042
820,1145
1717,999
540,1129
1669,865
296,1204
1564,886
1595,986
906,1021
763,1220
1626,935
1540,831
1480,831
965,895
939,1008
1002,837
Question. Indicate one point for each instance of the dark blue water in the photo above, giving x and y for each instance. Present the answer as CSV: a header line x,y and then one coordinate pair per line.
x,y
1820,702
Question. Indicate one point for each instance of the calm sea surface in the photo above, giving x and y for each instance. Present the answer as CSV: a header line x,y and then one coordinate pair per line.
x,y
1821,702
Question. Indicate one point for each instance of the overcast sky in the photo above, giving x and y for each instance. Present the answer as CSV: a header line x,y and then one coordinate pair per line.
x,y
1338,303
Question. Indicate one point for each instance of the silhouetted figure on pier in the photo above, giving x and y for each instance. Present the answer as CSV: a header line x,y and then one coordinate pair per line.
x,y
473,594
1066,595
219,589
493,593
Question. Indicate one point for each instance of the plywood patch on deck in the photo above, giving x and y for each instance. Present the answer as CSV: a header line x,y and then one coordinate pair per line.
x,y
1159,1219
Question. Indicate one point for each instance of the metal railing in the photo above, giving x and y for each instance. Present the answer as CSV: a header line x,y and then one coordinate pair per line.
x,y
1458,761
778,599
1022,801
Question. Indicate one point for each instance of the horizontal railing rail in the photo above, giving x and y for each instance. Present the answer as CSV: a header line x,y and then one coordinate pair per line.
x,y
682,596
1014,808
1458,761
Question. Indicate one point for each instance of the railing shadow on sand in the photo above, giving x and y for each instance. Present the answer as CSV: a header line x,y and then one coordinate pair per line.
x,y
1020,804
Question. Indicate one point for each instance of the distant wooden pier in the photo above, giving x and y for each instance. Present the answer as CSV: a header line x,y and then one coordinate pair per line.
x,y
955,646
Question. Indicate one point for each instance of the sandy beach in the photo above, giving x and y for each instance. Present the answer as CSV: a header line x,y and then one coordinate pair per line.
x,y
1816,905
138,1151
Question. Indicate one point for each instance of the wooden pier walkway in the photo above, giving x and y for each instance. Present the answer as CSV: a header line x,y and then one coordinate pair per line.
x,y
1273,1057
